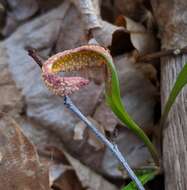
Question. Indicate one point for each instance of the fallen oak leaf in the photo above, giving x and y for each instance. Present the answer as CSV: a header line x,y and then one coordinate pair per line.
x,y
80,129
141,39
88,178
19,162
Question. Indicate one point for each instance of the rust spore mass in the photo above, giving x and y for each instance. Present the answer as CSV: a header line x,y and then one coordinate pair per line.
x,y
80,58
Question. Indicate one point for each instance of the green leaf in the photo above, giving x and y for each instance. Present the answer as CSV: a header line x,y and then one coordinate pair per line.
x,y
179,84
143,178
113,99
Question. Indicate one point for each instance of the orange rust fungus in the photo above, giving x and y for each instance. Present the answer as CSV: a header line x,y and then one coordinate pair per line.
x,y
72,60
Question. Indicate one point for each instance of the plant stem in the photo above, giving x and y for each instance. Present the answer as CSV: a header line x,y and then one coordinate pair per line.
x,y
156,55
112,147
33,53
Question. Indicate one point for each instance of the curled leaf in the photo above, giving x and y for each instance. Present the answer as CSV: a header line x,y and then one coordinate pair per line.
x,y
19,163
140,38
72,60
85,57
63,85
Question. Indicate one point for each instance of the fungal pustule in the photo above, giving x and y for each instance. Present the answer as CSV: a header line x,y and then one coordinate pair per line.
x,y
72,60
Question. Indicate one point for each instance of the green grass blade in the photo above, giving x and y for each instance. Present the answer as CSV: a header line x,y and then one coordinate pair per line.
x,y
143,178
113,99
179,84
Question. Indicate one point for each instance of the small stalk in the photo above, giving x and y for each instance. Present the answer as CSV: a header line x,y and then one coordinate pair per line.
x,y
157,55
112,147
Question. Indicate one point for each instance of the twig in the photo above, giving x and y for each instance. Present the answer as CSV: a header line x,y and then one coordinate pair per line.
x,y
33,53
112,147
163,53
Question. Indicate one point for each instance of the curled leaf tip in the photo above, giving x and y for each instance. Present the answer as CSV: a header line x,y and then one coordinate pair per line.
x,y
72,60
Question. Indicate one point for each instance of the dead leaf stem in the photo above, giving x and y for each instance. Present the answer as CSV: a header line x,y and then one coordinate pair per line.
x,y
111,146
156,55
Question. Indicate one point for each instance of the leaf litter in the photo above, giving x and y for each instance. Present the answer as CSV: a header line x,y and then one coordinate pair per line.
x,y
59,27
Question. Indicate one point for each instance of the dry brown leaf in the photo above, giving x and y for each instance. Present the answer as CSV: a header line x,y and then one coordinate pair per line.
x,y
47,109
46,5
138,10
68,181
61,174
105,117
63,177
23,9
93,140
121,42
89,12
80,128
17,12
72,33
79,131
132,9
102,31
42,106
40,136
55,171
142,40
149,72
20,11
134,150
103,35
49,146
139,97
87,99
11,100
139,94
89,178
97,5
20,167
10,25
49,149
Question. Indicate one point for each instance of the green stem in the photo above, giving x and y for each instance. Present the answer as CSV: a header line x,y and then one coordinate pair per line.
x,y
113,98
126,119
